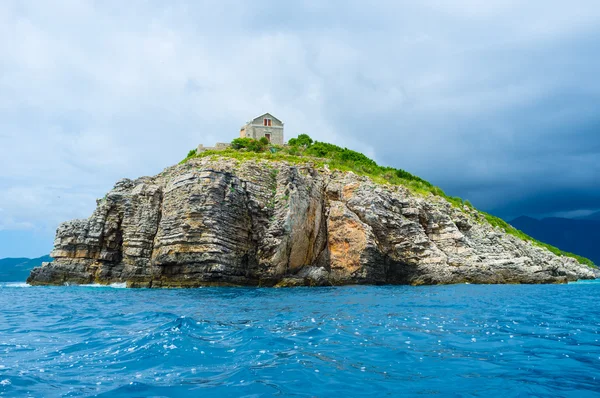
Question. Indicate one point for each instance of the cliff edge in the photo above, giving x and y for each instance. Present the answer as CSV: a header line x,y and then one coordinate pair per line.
x,y
217,220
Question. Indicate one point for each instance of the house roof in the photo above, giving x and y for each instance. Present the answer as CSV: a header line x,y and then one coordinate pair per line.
x,y
267,115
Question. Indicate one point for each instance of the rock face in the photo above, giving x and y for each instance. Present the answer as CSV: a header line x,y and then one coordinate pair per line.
x,y
222,221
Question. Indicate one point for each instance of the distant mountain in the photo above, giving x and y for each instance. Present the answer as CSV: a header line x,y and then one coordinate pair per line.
x,y
17,269
593,217
579,236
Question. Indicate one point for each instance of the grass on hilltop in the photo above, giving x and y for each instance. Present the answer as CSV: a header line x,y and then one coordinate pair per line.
x,y
303,148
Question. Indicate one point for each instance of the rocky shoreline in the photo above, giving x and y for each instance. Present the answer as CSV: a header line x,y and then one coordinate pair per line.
x,y
221,221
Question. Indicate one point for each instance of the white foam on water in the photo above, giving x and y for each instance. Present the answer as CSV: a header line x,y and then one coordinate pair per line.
x,y
14,284
122,285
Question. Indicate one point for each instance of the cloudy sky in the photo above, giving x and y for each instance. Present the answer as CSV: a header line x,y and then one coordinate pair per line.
x,y
494,101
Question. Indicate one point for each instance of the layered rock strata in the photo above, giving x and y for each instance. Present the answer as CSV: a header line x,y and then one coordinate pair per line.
x,y
221,221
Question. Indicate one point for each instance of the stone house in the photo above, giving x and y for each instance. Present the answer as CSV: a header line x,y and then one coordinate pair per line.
x,y
265,125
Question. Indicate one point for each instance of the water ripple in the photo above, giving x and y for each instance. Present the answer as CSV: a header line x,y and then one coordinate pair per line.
x,y
463,340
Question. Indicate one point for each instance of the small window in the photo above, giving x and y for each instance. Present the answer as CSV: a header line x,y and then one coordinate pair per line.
x,y
266,122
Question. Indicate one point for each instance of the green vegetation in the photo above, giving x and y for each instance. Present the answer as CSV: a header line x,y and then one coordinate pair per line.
x,y
303,148
250,144
509,229
302,140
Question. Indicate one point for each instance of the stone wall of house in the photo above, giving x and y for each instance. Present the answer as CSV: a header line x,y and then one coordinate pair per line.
x,y
257,132
259,122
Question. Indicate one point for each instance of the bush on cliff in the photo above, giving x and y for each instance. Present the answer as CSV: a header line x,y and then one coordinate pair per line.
x,y
302,140
250,144
360,163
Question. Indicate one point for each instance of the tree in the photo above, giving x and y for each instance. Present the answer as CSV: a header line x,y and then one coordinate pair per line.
x,y
302,140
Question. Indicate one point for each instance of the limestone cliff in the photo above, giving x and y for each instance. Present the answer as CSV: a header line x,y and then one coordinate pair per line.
x,y
220,221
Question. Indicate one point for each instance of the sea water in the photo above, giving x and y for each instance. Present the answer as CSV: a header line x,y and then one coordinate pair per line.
x,y
459,340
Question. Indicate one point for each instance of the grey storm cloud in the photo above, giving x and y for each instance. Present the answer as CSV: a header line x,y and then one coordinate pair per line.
x,y
494,101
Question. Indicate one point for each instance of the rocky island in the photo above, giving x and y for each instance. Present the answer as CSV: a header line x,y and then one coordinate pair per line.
x,y
302,214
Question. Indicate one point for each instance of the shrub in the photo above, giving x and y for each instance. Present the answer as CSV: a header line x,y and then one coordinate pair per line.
x,y
323,150
302,140
250,144
258,145
294,151
241,143
191,153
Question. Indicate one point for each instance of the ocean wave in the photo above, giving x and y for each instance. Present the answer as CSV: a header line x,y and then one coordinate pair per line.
x,y
122,285
14,284
364,340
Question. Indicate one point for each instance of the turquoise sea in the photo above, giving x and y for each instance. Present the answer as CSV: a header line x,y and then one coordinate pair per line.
x,y
460,340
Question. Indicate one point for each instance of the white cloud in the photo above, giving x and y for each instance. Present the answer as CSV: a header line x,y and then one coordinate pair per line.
x,y
91,92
